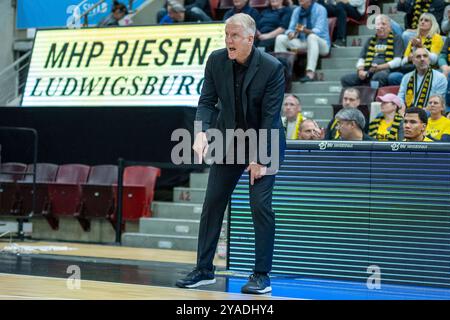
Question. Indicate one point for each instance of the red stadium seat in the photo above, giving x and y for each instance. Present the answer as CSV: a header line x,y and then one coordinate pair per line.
x,y
363,19
388,89
65,192
213,5
226,4
45,173
97,196
10,173
138,191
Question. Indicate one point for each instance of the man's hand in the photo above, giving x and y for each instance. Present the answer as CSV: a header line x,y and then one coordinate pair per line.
x,y
362,74
200,146
445,70
257,171
291,35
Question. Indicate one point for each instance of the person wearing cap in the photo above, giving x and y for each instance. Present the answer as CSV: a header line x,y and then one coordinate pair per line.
x,y
351,123
438,125
418,85
414,124
351,98
177,13
388,125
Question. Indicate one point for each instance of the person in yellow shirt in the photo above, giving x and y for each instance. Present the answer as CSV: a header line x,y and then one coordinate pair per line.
x,y
388,125
428,37
414,125
438,124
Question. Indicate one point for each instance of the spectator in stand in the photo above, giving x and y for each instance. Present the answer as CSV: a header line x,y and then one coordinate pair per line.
x,y
414,125
351,123
414,9
308,29
177,13
242,6
381,54
118,12
310,130
445,25
350,99
388,125
444,61
438,125
428,37
418,85
200,8
292,110
273,21
341,9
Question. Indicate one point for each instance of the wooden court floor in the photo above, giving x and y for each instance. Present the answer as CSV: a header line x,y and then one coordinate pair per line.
x,y
20,286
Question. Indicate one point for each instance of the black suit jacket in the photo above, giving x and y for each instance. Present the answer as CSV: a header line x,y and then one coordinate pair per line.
x,y
262,95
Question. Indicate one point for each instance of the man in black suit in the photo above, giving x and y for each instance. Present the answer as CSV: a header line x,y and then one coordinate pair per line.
x,y
243,89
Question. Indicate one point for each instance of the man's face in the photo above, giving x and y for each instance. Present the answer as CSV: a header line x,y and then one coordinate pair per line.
x,y
238,43
308,131
291,107
382,27
434,106
345,128
413,127
305,3
239,4
175,16
276,3
350,100
118,14
421,59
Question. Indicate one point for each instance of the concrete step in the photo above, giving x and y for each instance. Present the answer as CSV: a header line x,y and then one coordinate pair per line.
x,y
333,74
174,227
198,180
314,99
364,31
341,63
317,86
389,8
357,41
159,241
171,210
346,52
317,112
190,195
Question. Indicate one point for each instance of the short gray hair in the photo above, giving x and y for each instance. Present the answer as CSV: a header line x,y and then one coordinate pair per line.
x,y
352,115
245,21
384,17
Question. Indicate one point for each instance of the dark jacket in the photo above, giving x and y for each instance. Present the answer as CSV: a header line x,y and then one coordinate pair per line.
x,y
262,97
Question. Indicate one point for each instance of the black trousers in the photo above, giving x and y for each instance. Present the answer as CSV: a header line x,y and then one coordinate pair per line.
x,y
221,183
341,11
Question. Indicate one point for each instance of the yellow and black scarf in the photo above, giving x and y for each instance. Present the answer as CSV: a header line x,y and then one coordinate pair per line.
x,y
448,52
336,134
389,54
420,6
393,131
298,121
420,99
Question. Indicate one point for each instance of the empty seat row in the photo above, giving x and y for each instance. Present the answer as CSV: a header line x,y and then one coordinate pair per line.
x,y
76,190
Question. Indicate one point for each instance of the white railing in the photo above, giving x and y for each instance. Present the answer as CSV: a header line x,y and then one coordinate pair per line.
x,y
12,80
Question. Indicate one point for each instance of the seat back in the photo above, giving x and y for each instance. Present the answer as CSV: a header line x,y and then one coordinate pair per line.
x,y
103,175
363,19
367,94
226,4
259,4
12,171
388,89
72,173
45,172
213,5
140,175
